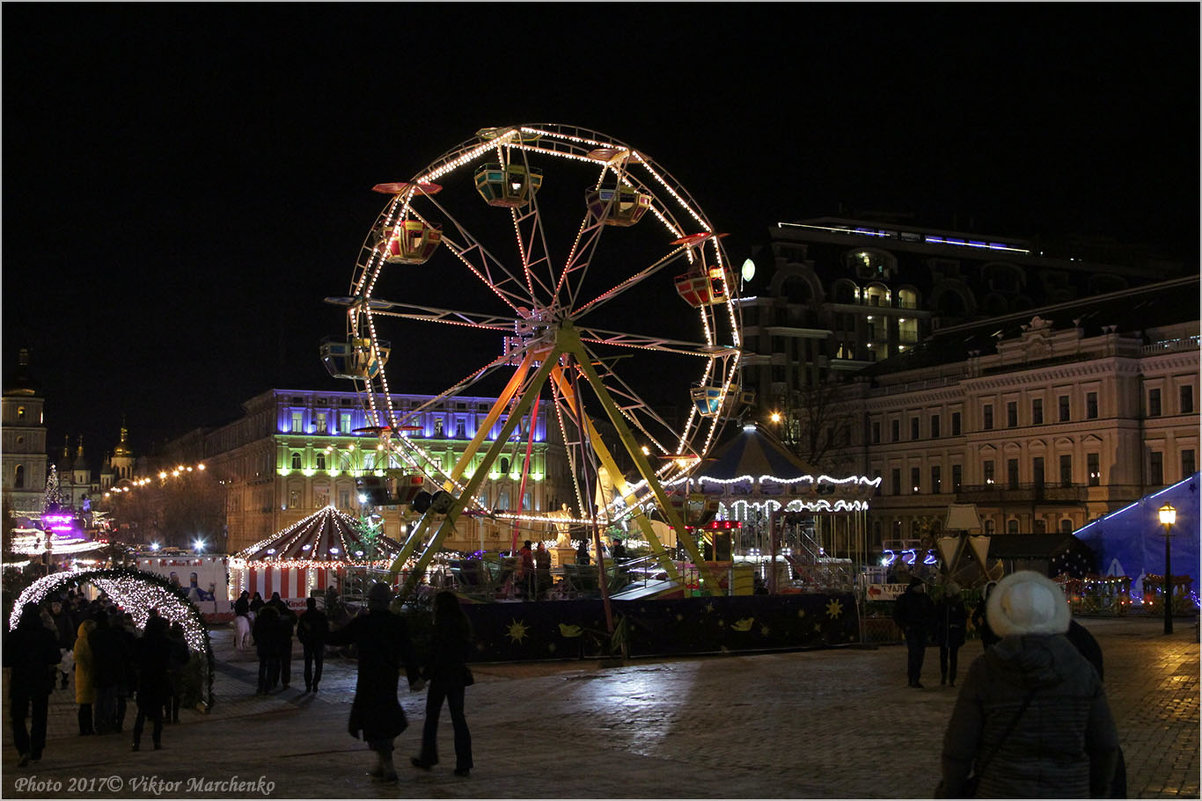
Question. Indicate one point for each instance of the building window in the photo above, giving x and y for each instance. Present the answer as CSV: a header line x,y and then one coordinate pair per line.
x,y
876,432
936,479
989,526
934,426
913,428
1066,470
955,424
1094,467
957,477
1156,468
1187,399
293,499
987,471
895,430
1041,526
895,476
19,477
296,461
438,427
1012,473
987,417
20,413
344,423
298,420
1062,402
915,480
1091,405
1037,412
460,430
1011,414
1066,526
1153,403
321,463
1012,526
1037,476
321,422
1188,465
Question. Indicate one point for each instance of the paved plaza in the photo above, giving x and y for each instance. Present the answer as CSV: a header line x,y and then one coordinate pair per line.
x,y
837,723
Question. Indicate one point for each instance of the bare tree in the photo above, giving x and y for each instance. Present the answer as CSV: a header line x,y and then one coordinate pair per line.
x,y
817,427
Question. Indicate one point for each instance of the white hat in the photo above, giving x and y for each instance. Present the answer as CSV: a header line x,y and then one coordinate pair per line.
x,y
1027,602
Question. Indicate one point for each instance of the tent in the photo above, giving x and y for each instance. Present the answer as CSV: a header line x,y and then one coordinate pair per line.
x,y
311,554
1130,542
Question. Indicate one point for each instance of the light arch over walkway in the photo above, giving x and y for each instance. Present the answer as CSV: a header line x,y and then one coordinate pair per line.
x,y
135,592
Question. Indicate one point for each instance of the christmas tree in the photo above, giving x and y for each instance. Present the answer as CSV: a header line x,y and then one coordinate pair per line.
x,y
52,499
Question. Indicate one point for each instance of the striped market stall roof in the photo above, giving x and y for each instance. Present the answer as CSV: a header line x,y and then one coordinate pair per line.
x,y
326,536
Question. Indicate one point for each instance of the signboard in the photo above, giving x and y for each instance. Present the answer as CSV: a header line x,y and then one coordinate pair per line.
x,y
886,592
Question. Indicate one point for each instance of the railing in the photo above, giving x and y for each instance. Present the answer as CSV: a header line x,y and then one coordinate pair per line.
x,y
1170,346
1020,493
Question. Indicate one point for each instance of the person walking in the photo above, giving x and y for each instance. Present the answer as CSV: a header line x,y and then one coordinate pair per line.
x,y
31,651
913,612
448,675
582,555
385,650
109,662
542,569
951,619
312,630
66,632
525,571
979,621
284,630
154,655
1031,719
176,674
266,630
1088,647
85,686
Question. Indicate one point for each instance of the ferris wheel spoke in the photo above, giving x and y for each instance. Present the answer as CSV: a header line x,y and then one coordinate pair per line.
x,y
629,283
618,339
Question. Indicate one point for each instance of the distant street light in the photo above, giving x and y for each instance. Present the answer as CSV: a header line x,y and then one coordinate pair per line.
x,y
198,545
1168,516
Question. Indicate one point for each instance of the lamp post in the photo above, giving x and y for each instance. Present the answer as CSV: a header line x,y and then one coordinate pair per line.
x,y
1168,516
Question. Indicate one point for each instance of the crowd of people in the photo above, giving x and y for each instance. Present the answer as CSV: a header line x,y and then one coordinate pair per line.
x,y
111,661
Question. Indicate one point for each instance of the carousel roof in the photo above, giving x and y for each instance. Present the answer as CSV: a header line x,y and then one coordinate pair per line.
x,y
753,453
328,535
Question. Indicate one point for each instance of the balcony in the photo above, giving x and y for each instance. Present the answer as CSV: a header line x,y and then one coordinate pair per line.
x,y
1020,493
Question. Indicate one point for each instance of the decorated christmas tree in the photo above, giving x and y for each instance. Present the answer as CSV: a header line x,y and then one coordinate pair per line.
x,y
52,499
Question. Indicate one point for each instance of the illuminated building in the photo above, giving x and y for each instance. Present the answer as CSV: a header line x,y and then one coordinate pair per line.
x,y
296,451
25,462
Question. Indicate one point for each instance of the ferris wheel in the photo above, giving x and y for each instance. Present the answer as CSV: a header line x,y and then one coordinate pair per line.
x,y
574,278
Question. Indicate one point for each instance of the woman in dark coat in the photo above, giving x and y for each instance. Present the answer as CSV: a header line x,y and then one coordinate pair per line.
x,y
154,656
384,651
447,673
1031,719
951,618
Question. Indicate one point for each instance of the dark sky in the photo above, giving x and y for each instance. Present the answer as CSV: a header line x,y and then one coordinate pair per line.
x,y
184,184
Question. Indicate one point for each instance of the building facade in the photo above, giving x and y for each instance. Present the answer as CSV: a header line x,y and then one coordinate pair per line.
x,y
296,451
25,461
833,296
1045,419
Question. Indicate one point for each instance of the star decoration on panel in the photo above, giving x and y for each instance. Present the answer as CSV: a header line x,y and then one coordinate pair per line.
x,y
834,608
517,631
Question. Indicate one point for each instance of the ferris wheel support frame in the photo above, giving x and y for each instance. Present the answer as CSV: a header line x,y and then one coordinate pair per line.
x,y
567,341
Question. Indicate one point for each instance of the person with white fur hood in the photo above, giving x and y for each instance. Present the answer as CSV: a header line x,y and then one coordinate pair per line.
x,y
1031,719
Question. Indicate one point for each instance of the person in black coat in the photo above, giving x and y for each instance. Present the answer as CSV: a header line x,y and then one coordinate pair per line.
x,y
913,612
1088,647
981,623
32,651
312,630
283,639
266,635
154,656
110,659
65,629
951,621
384,650
242,605
448,674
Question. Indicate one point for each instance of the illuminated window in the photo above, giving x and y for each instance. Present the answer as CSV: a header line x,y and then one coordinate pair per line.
x,y
344,422
296,460
321,463
298,420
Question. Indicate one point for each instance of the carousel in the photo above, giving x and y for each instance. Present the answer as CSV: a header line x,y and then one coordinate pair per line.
x,y
319,552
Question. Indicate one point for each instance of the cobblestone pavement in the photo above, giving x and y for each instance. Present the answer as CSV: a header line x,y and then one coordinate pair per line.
x,y
819,724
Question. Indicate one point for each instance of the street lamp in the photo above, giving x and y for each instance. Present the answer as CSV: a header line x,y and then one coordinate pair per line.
x,y
1168,516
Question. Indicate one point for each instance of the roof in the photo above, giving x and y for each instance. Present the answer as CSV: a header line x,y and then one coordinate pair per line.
x,y
753,453
328,535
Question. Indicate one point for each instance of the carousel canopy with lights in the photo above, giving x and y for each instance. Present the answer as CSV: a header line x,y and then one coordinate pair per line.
x,y
327,536
308,555
753,467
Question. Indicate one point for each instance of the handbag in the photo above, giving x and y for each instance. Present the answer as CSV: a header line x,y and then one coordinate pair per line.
x,y
973,782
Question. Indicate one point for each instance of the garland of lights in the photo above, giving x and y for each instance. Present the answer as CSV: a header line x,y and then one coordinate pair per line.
x,y
135,592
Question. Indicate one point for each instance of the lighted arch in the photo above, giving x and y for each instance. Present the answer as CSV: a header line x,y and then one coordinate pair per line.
x,y
135,592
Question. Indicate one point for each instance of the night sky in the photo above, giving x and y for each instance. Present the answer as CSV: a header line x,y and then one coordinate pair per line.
x,y
184,184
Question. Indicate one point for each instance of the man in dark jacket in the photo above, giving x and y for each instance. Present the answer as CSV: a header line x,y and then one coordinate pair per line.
x,y
284,631
913,612
31,650
384,651
154,656
66,630
110,659
312,630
